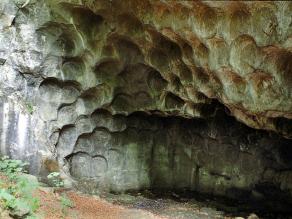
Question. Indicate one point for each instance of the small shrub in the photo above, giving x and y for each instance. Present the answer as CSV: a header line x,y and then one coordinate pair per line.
x,y
11,168
55,179
66,203
16,193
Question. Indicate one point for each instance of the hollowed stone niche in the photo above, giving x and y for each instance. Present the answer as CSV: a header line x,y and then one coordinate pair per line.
x,y
132,95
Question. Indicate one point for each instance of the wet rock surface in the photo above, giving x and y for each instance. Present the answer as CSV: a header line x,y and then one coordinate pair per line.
x,y
145,94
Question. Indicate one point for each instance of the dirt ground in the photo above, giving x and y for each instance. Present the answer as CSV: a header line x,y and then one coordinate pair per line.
x,y
69,204
121,207
85,207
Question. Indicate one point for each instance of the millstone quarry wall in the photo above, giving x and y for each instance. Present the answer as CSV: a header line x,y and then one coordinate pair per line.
x,y
130,95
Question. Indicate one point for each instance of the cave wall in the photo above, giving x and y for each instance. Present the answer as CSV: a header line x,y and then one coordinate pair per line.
x,y
128,95
216,156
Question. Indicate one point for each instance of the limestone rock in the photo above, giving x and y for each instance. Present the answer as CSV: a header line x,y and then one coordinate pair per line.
x,y
19,212
176,57
4,214
253,216
131,95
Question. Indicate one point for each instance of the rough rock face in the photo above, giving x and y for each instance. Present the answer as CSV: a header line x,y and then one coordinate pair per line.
x,y
151,94
174,57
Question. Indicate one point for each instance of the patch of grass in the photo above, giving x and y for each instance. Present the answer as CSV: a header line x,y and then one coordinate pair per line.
x,y
65,204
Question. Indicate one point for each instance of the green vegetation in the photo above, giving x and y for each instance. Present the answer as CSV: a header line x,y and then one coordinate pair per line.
x,y
29,108
16,190
65,204
55,179
11,168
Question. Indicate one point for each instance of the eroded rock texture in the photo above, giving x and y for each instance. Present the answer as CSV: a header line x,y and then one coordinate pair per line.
x,y
174,57
152,94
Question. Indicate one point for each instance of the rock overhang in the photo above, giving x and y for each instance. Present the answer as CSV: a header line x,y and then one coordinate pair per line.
x,y
176,57
135,94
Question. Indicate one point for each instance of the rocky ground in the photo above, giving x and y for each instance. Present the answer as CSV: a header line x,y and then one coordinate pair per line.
x,y
86,207
83,207
118,207
24,196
